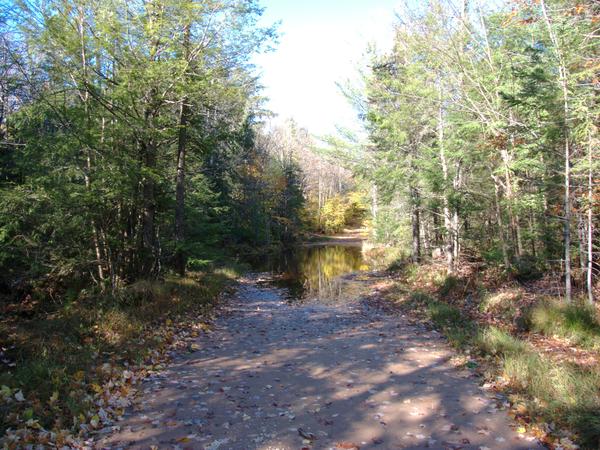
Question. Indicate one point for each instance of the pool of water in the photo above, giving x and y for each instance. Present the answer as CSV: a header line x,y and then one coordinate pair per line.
x,y
315,271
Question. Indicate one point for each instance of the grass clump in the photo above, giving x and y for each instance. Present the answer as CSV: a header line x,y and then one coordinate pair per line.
x,y
449,284
443,315
458,329
420,298
503,304
494,341
561,393
577,323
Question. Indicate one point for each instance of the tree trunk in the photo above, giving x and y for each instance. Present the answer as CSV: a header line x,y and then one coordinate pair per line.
x,y
184,111
437,239
532,232
448,248
149,248
500,223
581,238
84,95
416,225
149,251
590,227
563,78
513,220
456,184
567,225
455,235
180,256
374,202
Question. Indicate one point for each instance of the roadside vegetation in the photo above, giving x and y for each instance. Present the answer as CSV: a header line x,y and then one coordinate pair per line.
x,y
135,168
73,366
528,347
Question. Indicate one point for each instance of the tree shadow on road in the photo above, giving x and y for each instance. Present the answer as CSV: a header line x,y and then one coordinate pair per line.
x,y
341,375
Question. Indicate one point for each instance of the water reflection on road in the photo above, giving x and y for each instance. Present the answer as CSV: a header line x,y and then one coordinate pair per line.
x,y
317,271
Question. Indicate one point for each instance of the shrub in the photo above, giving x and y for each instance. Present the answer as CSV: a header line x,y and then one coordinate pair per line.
x,y
527,268
333,215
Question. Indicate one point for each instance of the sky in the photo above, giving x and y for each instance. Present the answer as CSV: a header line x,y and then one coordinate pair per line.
x,y
321,42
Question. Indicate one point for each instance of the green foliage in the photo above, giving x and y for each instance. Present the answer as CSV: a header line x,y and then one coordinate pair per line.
x,y
389,227
527,268
88,194
469,116
130,146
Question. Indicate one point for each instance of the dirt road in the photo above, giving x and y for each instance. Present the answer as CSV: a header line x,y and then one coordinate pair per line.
x,y
274,375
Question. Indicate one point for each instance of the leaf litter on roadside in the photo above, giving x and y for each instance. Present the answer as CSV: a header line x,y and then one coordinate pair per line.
x,y
107,390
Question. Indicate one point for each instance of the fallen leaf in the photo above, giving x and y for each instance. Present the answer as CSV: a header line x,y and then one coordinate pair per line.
x,y
19,396
347,445
79,375
306,434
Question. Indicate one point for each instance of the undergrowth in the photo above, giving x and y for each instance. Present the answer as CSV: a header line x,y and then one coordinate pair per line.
x,y
55,357
450,319
562,393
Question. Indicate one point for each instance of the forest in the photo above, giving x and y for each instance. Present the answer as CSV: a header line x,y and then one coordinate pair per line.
x,y
483,138
141,173
124,123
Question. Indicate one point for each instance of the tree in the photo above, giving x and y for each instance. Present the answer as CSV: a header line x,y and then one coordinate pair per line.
x,y
465,116
117,101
